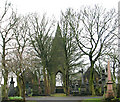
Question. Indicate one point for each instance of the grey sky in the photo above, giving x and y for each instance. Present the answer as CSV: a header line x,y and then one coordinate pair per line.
x,y
53,7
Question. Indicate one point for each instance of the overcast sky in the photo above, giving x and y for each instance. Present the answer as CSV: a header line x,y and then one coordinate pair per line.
x,y
53,7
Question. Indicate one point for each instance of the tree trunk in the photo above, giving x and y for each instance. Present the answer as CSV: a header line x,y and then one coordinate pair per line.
x,y
23,92
19,85
53,82
5,88
40,91
48,84
45,81
92,78
67,82
67,85
5,73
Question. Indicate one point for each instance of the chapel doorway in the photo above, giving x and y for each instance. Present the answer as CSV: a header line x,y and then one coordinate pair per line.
x,y
59,83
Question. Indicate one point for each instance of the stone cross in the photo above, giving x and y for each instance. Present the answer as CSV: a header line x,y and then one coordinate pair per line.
x,y
109,92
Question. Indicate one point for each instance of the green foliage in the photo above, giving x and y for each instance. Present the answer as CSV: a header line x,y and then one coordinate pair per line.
x,y
79,90
15,98
93,100
58,95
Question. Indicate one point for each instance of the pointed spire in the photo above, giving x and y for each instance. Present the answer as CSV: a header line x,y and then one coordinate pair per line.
x,y
109,73
58,31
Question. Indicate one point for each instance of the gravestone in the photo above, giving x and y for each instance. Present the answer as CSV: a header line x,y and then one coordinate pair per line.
x,y
76,91
11,91
87,87
35,89
103,81
82,88
100,86
59,89
75,88
28,91
42,87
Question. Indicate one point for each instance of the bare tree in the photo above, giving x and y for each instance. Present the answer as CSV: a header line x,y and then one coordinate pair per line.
x,y
40,37
18,58
94,32
7,22
72,54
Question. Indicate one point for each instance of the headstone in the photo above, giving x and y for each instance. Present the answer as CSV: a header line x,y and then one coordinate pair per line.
x,y
75,88
103,81
11,91
70,85
59,89
42,87
100,86
35,89
76,91
28,92
87,87
83,88
109,92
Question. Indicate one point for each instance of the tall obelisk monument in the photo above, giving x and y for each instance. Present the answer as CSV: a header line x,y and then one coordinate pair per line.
x,y
109,92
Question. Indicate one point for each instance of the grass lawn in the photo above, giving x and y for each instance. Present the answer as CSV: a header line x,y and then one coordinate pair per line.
x,y
58,95
15,98
93,100
99,100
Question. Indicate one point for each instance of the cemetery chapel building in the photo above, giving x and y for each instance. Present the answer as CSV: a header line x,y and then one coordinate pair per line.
x,y
57,65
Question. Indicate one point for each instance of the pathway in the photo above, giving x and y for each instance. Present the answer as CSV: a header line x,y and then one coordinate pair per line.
x,y
59,99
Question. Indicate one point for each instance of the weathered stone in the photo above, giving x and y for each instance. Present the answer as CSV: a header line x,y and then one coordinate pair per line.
x,y
83,88
103,81
109,92
11,91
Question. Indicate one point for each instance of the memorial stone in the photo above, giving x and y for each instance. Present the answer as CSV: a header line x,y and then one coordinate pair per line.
x,y
28,92
11,91
109,92
42,87
87,87
75,88
103,81
83,88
